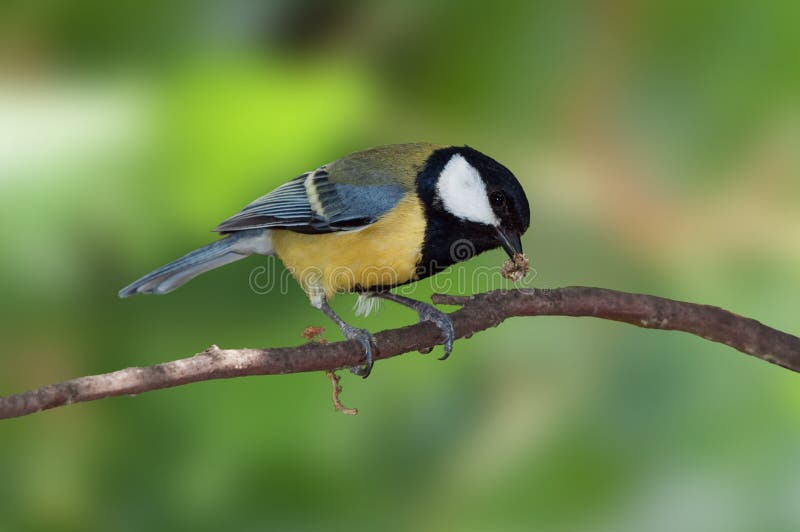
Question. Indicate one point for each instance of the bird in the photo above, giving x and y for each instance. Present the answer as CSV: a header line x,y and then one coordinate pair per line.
x,y
369,222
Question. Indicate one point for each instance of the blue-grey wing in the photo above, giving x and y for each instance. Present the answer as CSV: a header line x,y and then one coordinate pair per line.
x,y
311,203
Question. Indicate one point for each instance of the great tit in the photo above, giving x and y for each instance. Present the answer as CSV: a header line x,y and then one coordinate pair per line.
x,y
368,222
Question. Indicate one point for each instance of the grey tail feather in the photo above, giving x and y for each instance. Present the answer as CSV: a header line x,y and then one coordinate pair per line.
x,y
233,247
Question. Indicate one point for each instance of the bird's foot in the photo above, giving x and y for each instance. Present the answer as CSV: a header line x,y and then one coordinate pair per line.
x,y
367,341
442,320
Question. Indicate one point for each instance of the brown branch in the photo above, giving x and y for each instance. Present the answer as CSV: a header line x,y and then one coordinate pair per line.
x,y
477,313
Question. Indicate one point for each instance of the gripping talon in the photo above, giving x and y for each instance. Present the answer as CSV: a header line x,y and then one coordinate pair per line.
x,y
430,313
445,324
366,340
353,333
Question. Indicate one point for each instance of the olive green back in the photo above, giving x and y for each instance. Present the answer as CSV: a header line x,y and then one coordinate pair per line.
x,y
382,165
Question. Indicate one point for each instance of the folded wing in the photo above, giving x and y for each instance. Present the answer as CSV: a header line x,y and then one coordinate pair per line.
x,y
312,203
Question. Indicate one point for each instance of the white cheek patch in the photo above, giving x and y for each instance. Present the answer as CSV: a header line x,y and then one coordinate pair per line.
x,y
463,193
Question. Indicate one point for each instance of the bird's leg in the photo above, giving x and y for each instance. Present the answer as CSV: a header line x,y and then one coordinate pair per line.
x,y
353,333
427,312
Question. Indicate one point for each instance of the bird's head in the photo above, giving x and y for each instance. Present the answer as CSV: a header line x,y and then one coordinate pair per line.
x,y
474,197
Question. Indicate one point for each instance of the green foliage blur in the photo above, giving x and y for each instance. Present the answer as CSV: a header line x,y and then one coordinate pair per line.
x,y
657,141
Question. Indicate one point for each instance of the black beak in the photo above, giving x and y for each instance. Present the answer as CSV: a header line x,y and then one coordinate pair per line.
x,y
510,240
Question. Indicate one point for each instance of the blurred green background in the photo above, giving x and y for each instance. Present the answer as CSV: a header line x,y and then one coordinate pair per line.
x,y
657,141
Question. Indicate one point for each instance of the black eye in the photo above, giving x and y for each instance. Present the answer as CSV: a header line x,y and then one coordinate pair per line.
x,y
497,198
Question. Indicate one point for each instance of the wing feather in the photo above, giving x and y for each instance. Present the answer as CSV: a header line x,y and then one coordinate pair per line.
x,y
311,203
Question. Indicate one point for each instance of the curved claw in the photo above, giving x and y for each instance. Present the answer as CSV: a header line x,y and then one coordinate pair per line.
x,y
445,324
366,340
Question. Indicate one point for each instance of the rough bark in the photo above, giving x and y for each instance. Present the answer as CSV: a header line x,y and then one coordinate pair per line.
x,y
477,313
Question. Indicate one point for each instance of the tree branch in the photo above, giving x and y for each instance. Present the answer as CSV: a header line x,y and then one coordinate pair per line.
x,y
477,313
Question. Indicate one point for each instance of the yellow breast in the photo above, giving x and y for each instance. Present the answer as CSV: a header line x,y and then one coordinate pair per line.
x,y
385,253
